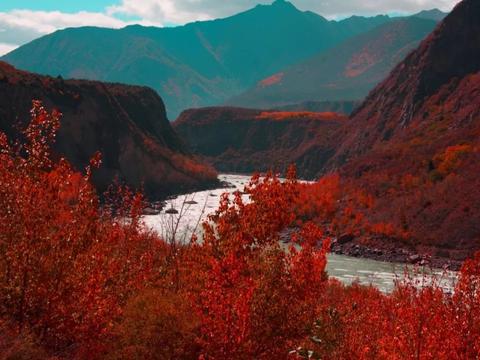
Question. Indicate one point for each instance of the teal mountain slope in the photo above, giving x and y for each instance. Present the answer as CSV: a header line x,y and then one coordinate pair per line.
x,y
198,64
346,72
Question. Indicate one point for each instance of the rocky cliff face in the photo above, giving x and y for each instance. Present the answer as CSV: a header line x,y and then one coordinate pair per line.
x,y
244,140
415,141
341,107
127,124
434,75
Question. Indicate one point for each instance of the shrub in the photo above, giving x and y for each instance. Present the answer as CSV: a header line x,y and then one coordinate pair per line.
x,y
66,265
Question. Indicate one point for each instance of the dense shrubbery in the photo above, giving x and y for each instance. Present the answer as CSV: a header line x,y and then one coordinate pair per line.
x,y
80,279
67,266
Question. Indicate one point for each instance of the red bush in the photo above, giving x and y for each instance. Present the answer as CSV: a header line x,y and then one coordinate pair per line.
x,y
66,267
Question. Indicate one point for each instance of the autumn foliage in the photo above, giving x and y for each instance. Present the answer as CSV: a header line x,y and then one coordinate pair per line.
x,y
82,278
67,267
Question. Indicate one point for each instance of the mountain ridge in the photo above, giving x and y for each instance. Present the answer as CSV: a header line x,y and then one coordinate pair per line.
x,y
127,124
198,64
346,72
432,14
414,142
248,140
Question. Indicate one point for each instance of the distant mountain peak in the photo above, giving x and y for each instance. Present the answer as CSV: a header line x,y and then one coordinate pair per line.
x,y
280,5
432,14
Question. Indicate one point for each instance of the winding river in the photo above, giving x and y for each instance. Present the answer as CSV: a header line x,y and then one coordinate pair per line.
x,y
195,207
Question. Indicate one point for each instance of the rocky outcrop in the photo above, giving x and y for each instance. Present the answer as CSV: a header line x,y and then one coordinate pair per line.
x,y
127,124
245,140
415,141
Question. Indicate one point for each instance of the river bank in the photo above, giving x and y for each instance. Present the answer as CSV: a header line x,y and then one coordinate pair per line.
x,y
348,261
381,251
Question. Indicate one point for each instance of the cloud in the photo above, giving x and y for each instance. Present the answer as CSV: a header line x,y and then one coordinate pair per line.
x,y
5,48
183,11
20,26
165,11
334,8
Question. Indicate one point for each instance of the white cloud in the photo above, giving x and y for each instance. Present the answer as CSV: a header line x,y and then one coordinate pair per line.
x,y
183,11
5,48
164,11
20,26
48,21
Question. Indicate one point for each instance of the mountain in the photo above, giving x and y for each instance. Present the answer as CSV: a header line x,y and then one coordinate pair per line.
x,y
246,140
434,14
438,71
415,142
346,72
409,154
128,124
199,64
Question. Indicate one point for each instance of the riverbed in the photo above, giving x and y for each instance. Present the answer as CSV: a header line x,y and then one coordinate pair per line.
x,y
195,207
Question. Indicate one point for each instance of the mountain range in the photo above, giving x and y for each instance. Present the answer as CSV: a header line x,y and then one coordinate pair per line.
x,y
346,72
199,64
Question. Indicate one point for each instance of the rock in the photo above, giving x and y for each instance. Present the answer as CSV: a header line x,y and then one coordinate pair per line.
x,y
171,211
150,211
127,123
227,185
158,205
229,138
414,258
191,202
345,238
424,262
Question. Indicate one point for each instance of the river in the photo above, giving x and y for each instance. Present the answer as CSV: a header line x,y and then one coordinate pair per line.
x,y
196,206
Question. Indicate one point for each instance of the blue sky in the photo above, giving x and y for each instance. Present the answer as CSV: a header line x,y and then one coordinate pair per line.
x,y
24,20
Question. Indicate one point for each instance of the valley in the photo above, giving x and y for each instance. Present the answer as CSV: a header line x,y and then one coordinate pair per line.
x,y
208,180
193,208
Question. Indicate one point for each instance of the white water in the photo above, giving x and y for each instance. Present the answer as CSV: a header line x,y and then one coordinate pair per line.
x,y
347,269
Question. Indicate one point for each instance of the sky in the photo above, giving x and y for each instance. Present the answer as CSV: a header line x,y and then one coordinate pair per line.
x,y
24,20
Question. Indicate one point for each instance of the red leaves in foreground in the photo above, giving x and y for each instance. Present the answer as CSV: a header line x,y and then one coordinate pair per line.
x,y
83,280
258,300
66,267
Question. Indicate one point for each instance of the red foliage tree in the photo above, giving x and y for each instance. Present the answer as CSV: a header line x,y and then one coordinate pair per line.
x,y
257,300
66,265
